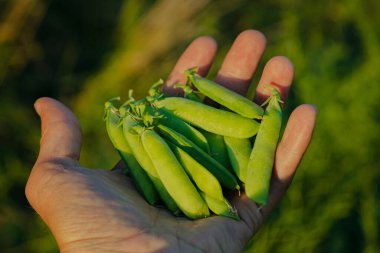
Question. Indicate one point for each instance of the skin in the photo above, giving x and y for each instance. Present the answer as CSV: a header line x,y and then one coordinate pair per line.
x,y
92,210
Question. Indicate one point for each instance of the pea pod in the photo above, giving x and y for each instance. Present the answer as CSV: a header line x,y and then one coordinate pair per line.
x,y
203,179
238,151
225,177
184,128
115,132
209,118
173,176
217,148
131,129
232,100
221,207
261,160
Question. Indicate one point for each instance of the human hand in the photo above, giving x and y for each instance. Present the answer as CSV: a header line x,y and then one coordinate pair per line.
x,y
93,210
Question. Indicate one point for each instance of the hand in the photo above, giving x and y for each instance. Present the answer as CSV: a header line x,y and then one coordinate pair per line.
x,y
92,210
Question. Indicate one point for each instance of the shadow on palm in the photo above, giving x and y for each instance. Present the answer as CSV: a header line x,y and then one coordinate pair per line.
x,y
100,204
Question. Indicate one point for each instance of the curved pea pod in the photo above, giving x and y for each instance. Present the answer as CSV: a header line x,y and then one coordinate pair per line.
x,y
209,118
173,176
225,178
203,179
218,148
115,132
261,160
131,129
221,207
228,98
238,151
184,128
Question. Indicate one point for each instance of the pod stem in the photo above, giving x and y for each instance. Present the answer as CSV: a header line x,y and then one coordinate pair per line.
x,y
189,73
156,88
189,92
275,95
109,106
141,111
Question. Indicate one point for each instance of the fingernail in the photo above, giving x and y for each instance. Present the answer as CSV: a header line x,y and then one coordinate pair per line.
x,y
37,106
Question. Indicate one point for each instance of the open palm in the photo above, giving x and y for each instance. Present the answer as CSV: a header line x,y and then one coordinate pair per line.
x,y
93,210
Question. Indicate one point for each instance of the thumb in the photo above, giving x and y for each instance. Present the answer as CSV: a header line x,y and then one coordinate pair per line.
x,y
60,131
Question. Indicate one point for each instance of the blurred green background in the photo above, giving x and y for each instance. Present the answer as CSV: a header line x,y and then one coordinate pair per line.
x,y
84,52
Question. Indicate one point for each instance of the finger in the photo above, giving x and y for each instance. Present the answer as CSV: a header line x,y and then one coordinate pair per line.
x,y
241,61
200,53
291,148
278,72
60,131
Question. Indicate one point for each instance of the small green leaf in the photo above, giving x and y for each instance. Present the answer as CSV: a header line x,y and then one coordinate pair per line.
x,y
156,88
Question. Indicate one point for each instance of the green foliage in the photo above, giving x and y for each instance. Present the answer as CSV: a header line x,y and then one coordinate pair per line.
x,y
72,51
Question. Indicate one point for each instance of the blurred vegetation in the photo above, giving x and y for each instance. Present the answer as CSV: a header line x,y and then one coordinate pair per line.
x,y
83,53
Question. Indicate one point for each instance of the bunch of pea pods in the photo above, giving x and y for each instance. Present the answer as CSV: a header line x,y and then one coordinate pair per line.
x,y
185,154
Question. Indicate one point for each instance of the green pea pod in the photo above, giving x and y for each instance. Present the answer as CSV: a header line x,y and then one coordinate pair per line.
x,y
225,177
226,97
261,160
209,118
238,151
221,207
131,130
184,128
115,132
218,148
203,179
173,176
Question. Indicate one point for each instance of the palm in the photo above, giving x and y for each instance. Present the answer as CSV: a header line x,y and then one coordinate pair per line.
x,y
92,210
98,205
